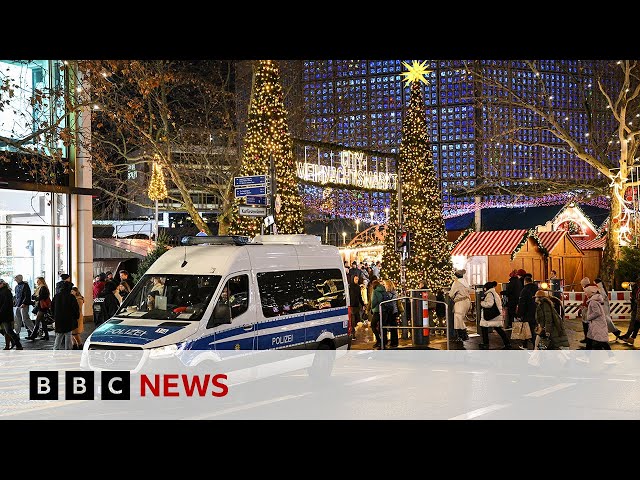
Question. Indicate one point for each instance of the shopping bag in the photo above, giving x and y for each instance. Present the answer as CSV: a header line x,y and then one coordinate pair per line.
x,y
520,331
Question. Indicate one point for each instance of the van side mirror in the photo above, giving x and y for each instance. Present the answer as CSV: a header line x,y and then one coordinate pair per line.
x,y
221,316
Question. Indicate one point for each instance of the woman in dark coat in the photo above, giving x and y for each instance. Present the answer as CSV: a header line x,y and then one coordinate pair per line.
x,y
512,292
65,310
42,299
355,303
6,314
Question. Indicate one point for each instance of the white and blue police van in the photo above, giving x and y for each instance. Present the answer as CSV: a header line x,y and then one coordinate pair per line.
x,y
230,293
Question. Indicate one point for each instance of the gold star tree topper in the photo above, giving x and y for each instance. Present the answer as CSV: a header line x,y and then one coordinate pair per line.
x,y
416,71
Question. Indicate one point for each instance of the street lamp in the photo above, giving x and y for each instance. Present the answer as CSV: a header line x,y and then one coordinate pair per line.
x,y
357,225
344,238
371,215
386,212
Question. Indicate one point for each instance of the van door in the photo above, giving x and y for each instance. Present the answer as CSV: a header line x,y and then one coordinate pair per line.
x,y
234,316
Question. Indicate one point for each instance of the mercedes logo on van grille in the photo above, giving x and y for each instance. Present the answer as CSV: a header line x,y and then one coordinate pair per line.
x,y
110,357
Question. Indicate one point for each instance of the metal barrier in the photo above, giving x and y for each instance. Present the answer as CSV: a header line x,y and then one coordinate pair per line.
x,y
412,327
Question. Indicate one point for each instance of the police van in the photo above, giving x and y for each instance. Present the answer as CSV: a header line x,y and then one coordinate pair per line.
x,y
224,293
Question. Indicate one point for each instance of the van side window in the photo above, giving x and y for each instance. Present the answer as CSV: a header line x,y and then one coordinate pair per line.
x,y
283,293
323,289
235,294
280,293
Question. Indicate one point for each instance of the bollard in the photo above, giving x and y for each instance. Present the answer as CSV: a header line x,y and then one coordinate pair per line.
x,y
420,316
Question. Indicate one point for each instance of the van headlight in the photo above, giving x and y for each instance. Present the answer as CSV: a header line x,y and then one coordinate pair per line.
x,y
162,352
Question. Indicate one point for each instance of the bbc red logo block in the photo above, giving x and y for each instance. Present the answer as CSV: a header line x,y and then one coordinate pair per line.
x,y
114,385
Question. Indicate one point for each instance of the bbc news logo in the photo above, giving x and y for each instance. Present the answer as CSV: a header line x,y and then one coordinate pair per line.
x,y
116,385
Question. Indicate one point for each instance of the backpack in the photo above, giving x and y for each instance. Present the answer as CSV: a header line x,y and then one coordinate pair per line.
x,y
391,308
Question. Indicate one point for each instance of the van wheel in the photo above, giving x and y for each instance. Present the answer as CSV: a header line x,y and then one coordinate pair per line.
x,y
323,361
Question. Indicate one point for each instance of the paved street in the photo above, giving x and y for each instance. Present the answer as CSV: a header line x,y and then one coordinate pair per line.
x,y
375,385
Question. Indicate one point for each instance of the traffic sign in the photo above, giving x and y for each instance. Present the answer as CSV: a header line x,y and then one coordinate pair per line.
x,y
257,200
253,211
249,181
243,192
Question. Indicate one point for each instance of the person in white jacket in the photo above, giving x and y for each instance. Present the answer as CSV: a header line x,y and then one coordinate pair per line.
x,y
492,316
460,296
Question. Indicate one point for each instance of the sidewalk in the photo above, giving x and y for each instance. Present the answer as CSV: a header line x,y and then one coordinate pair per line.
x,y
437,341
48,344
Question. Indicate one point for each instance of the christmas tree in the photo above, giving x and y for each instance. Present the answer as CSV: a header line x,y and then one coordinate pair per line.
x,y
157,186
430,259
268,134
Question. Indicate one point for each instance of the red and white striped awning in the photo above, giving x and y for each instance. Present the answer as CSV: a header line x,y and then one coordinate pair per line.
x,y
549,240
596,244
498,242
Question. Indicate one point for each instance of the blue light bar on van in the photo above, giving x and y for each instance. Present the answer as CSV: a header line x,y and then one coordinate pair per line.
x,y
215,240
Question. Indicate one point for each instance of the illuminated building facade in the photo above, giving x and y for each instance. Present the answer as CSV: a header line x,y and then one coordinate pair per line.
x,y
359,104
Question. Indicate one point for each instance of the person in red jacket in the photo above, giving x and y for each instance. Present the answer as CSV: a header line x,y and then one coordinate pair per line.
x,y
98,284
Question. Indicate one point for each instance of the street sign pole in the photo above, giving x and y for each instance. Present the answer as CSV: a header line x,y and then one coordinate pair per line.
x,y
272,192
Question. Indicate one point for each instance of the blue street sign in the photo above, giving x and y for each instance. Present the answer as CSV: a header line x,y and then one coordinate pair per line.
x,y
256,200
243,192
252,180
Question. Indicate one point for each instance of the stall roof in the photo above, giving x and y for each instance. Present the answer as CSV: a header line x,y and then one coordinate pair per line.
x,y
595,244
496,242
549,240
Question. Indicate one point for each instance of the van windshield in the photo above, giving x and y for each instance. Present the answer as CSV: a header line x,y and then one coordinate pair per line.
x,y
169,297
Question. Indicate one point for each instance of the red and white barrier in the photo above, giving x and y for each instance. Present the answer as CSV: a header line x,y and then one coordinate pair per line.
x,y
620,303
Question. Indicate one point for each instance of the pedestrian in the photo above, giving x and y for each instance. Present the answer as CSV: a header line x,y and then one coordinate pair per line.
x,y
376,297
22,302
65,311
124,277
393,311
634,325
98,284
550,325
375,269
521,273
75,334
64,278
511,293
460,296
526,309
491,316
6,315
105,305
354,270
554,275
122,291
108,276
355,303
607,308
582,312
42,300
598,333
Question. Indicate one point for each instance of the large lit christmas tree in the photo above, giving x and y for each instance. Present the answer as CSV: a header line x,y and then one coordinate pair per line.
x,y
430,259
268,134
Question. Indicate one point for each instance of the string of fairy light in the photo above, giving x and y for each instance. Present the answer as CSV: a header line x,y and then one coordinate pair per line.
x,y
268,135
430,259
352,206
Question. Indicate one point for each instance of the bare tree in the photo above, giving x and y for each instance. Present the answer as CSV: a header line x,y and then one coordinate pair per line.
x,y
609,97
39,126
177,113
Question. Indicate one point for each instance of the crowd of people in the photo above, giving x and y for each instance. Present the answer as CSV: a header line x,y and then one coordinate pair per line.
x,y
64,310
534,316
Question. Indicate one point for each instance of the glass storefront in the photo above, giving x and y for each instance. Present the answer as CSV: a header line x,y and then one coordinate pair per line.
x,y
34,235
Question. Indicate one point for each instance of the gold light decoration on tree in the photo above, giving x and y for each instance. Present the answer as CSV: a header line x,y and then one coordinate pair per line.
x,y
268,135
157,186
430,259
